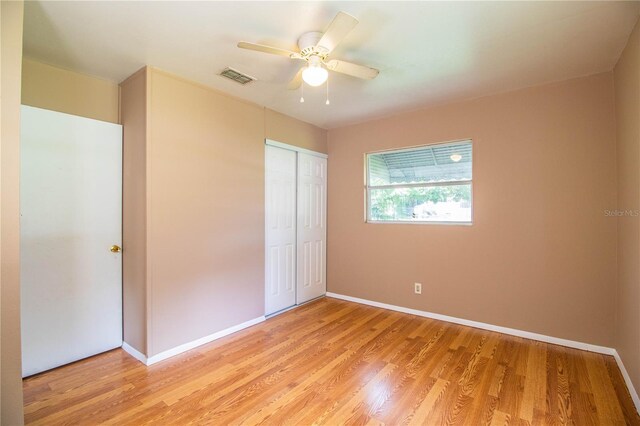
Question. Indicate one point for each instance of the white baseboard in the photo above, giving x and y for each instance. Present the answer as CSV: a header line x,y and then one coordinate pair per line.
x,y
627,380
505,330
134,352
201,341
190,345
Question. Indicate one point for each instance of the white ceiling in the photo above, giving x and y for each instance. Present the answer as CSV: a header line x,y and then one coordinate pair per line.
x,y
428,52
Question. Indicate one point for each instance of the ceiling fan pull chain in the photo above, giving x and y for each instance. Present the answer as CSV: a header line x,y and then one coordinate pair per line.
x,y
327,102
302,93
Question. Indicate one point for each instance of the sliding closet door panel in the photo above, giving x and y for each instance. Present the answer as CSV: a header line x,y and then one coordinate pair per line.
x,y
280,229
312,226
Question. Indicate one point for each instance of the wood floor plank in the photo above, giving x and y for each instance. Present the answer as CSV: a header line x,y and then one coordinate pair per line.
x,y
607,406
621,389
335,362
430,400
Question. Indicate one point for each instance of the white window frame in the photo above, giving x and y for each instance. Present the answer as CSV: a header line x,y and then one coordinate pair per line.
x,y
368,187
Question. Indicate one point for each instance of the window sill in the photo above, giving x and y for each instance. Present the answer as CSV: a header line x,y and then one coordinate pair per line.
x,y
407,222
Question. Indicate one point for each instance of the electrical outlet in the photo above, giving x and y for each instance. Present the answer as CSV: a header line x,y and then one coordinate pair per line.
x,y
417,288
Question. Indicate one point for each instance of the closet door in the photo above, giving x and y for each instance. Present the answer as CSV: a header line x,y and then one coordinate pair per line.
x,y
280,193
312,227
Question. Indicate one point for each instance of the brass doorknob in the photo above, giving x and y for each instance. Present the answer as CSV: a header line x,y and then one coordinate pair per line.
x,y
115,249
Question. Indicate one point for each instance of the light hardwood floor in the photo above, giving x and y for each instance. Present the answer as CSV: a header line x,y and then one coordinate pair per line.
x,y
334,362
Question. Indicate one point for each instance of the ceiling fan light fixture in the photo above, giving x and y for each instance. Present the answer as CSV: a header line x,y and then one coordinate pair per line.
x,y
314,74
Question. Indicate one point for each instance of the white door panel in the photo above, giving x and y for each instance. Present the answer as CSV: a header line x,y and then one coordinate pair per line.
x,y
280,193
312,229
71,210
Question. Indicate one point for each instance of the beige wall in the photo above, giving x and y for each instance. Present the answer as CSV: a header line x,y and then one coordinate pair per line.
x,y
206,211
202,179
10,357
134,203
540,256
48,87
627,95
282,128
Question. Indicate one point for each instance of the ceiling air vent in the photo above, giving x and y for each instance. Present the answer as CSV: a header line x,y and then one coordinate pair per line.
x,y
236,76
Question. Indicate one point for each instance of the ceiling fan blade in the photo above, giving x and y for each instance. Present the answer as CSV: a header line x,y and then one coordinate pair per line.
x,y
351,69
268,49
296,81
341,25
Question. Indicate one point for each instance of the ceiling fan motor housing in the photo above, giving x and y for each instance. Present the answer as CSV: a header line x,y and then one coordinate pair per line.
x,y
308,44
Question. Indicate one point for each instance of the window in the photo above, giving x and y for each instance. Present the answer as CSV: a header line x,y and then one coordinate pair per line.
x,y
420,185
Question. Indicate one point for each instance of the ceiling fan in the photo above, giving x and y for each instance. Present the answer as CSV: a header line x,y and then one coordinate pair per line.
x,y
315,48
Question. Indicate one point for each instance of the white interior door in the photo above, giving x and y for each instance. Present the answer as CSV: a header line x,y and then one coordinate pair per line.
x,y
312,226
71,216
280,262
